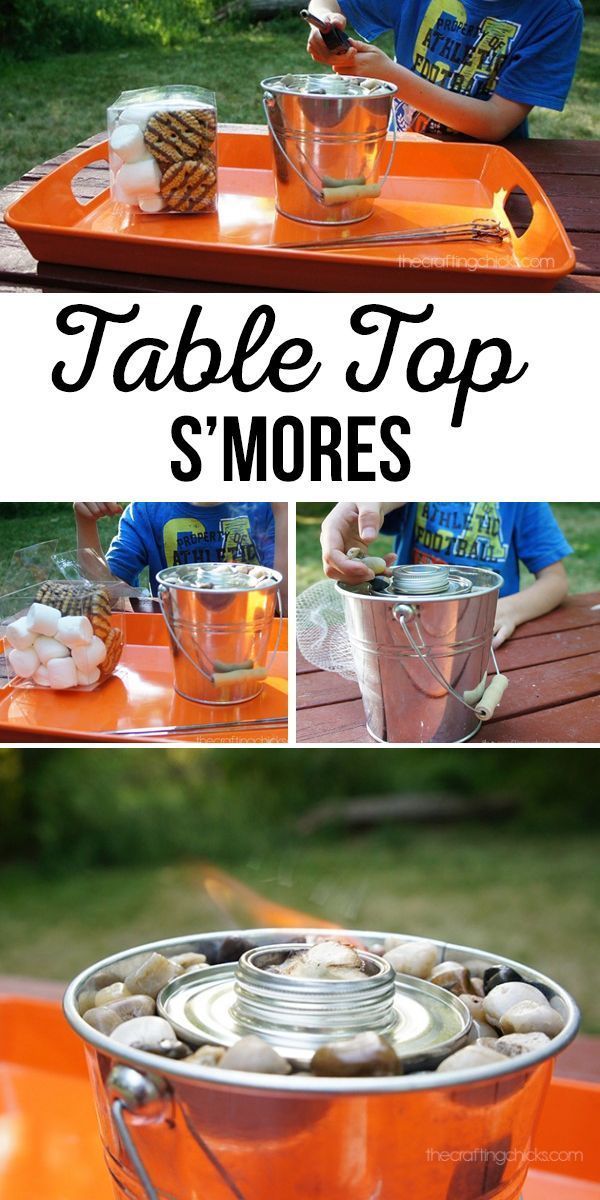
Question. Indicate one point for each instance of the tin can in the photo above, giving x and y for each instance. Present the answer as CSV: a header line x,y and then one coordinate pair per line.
x,y
175,1132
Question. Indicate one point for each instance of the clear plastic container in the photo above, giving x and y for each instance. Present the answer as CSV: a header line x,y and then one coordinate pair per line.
x,y
163,149
77,651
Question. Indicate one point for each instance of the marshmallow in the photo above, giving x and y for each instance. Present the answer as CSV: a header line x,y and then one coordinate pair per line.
x,y
48,647
24,662
151,204
140,180
19,635
43,619
88,657
74,631
127,141
117,191
41,676
87,678
62,673
137,114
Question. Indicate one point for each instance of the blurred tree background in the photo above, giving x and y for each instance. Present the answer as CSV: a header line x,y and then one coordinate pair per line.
x,y
100,849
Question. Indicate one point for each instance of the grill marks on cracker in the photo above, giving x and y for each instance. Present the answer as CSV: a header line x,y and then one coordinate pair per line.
x,y
181,142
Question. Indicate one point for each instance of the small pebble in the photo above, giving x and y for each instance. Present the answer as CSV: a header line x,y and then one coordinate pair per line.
x,y
114,991
152,976
364,1055
188,960
504,996
493,976
377,565
521,1043
109,1016
86,1000
469,1057
532,1016
169,1048
252,1054
148,1030
413,958
325,960
380,584
207,1056
451,976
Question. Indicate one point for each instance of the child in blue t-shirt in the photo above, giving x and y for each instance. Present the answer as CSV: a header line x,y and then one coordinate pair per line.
x,y
477,67
468,533
165,535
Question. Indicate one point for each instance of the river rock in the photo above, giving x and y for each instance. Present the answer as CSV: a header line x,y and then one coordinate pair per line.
x,y
252,1054
493,976
504,996
451,976
114,991
109,1016
169,1048
471,1057
532,1016
365,1054
148,1031
413,958
152,976
512,1044
86,1000
188,960
207,1056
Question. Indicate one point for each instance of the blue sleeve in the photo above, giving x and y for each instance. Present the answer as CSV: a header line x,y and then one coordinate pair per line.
x,y
266,548
539,539
127,554
370,17
542,72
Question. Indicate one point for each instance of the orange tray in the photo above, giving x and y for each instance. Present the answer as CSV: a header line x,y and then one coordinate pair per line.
x,y
51,1147
432,183
141,696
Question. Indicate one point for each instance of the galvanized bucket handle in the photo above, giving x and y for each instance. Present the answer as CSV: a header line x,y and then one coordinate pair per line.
x,y
403,613
149,1096
208,675
315,193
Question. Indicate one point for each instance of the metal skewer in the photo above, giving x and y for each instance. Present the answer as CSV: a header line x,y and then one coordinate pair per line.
x,y
214,727
473,231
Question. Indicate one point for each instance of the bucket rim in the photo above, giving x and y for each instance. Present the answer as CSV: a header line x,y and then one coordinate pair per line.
x,y
268,585
270,85
496,582
252,1082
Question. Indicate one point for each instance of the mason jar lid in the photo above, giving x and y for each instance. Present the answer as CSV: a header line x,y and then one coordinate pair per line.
x,y
220,1004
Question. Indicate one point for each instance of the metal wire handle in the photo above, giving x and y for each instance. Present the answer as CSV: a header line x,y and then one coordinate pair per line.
x,y
209,675
315,192
141,1094
402,613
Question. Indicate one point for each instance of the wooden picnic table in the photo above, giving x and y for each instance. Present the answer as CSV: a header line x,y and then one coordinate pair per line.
x,y
553,667
568,170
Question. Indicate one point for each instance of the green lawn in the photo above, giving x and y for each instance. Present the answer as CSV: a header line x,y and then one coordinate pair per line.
x,y
529,897
51,103
579,522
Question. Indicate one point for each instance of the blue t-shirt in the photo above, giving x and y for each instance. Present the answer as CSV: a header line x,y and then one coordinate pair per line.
x,y
168,535
524,50
479,534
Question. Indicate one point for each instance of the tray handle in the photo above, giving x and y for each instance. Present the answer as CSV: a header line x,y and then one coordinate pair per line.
x,y
545,228
65,205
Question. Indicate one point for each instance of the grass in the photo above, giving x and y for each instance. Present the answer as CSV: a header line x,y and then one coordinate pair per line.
x,y
528,897
580,524
52,102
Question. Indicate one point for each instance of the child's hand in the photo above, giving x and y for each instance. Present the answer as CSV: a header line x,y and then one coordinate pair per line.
x,y
504,624
364,59
347,526
94,511
316,46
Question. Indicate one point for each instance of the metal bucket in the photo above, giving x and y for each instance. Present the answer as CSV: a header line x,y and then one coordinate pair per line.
x,y
421,652
321,142
172,1132
219,637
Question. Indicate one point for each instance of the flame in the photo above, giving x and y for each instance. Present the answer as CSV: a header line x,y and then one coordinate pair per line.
x,y
245,907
